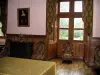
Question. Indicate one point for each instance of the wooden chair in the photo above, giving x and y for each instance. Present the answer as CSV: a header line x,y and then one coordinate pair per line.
x,y
67,53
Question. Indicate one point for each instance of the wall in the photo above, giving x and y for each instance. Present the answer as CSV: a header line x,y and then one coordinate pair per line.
x,y
37,17
96,18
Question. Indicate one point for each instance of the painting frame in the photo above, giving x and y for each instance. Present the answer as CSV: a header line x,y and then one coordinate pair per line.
x,y
23,17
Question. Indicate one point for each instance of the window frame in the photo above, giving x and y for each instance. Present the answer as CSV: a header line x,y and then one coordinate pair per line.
x,y
0,21
63,29
71,15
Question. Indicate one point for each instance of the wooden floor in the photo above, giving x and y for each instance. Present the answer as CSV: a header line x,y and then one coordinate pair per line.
x,y
77,67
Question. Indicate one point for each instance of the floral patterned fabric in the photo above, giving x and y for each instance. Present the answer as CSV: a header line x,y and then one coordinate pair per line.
x,y
88,16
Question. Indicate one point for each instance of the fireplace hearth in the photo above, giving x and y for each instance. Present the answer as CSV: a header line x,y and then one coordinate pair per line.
x,y
21,49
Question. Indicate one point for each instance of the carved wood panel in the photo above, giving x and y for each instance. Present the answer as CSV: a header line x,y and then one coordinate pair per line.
x,y
78,49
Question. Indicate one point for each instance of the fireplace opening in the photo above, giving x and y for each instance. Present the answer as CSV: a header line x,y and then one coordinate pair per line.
x,y
21,49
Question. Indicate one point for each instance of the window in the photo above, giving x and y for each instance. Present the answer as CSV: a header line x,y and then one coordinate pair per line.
x,y
64,6
71,26
1,33
64,28
77,6
78,29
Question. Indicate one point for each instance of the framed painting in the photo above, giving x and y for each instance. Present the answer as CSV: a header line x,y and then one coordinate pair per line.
x,y
23,16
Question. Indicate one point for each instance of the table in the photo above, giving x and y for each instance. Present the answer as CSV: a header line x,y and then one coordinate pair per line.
x,y
20,66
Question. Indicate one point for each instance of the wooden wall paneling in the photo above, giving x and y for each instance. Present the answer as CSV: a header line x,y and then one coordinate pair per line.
x,y
78,50
59,50
49,51
27,38
50,47
81,48
55,49
52,50
95,42
90,47
86,52
60,46
75,53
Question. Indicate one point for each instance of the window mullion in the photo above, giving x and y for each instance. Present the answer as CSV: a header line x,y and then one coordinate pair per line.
x,y
71,21
71,6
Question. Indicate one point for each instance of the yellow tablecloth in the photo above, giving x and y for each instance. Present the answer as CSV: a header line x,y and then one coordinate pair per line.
x,y
19,66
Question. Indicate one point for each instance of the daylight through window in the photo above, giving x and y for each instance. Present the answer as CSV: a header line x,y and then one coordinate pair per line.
x,y
70,20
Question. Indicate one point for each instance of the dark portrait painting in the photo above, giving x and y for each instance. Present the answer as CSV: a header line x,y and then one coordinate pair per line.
x,y
23,17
